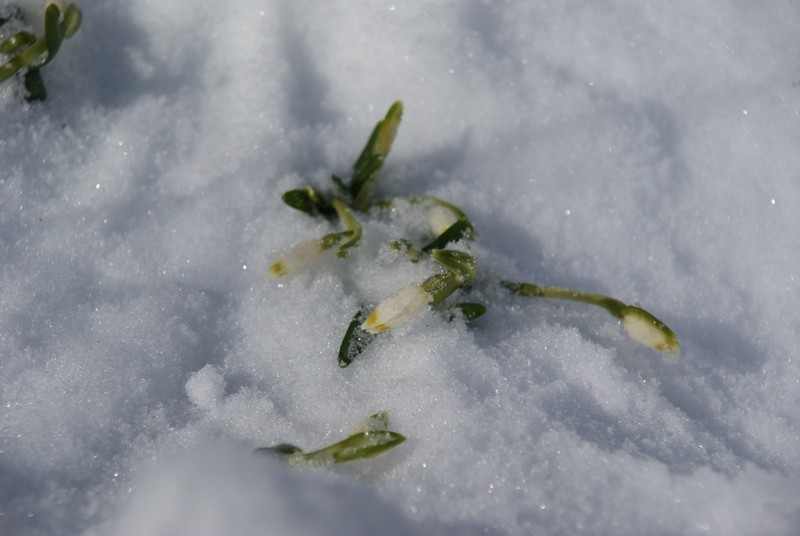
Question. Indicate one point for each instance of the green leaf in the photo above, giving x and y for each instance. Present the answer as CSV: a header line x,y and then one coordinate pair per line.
x,y
460,229
72,20
356,447
355,340
440,286
35,86
300,200
452,208
371,439
308,200
53,31
352,226
8,69
468,311
461,264
284,449
16,41
367,168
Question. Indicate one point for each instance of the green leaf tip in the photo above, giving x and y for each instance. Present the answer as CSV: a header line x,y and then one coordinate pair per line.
x,y
72,20
468,311
283,449
368,167
460,229
308,200
462,264
355,340
359,446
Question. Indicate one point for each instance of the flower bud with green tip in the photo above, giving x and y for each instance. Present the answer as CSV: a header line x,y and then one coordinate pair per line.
x,y
399,308
307,253
648,330
296,258
303,255
442,215
440,219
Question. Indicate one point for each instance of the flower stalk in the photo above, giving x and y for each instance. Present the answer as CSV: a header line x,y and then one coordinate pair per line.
x,y
640,325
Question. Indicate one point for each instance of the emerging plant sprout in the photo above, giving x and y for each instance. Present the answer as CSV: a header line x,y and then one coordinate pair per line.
x,y
370,438
449,225
60,22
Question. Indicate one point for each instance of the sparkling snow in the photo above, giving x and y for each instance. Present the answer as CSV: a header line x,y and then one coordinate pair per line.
x,y
648,151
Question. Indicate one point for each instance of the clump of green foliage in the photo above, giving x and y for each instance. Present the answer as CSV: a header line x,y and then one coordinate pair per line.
x,y
31,53
449,225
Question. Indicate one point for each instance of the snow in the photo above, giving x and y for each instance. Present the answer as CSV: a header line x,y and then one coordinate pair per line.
x,y
647,151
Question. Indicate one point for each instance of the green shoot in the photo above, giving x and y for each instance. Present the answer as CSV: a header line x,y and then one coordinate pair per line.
x,y
368,167
402,306
59,23
353,228
641,326
308,200
371,440
355,340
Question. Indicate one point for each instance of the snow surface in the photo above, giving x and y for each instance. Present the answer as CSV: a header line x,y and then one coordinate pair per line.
x,y
648,151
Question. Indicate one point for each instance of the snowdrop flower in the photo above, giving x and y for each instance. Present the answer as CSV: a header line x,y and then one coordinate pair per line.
x,y
646,329
641,326
397,309
297,257
440,219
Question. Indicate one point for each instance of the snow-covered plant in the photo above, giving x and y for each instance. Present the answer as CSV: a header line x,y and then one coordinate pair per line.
x,y
27,51
449,225
370,438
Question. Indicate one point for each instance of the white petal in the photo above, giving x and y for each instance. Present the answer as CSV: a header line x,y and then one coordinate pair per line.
x,y
296,258
397,309
648,330
440,219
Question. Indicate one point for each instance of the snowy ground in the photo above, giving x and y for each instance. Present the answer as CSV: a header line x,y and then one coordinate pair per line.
x,y
644,150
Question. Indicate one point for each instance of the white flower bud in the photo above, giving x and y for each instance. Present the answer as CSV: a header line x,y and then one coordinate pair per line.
x,y
648,330
296,258
440,219
397,309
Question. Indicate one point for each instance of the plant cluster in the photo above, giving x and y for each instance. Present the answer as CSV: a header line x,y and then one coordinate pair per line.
x,y
32,53
451,229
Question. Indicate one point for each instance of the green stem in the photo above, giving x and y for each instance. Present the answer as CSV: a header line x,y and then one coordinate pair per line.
x,y
352,227
615,307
